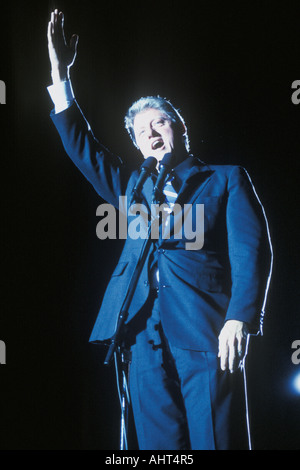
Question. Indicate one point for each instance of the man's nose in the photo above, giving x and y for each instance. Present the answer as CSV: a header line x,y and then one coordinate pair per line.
x,y
152,132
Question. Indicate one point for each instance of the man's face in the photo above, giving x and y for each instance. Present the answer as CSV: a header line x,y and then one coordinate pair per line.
x,y
154,133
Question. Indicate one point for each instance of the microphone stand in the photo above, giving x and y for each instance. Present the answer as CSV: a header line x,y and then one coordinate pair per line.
x,y
116,345
117,339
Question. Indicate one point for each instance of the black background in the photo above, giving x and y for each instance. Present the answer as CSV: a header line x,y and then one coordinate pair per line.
x,y
229,67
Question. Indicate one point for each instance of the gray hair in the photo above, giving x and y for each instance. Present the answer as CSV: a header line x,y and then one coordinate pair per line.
x,y
156,102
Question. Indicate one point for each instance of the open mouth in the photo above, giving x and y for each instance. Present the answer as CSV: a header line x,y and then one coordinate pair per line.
x,y
157,144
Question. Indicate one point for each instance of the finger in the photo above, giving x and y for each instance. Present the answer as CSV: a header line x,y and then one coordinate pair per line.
x,y
61,18
60,25
52,22
60,21
55,17
73,42
49,32
232,357
221,351
223,354
241,346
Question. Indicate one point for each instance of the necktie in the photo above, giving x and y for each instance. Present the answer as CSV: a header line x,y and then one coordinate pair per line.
x,y
170,195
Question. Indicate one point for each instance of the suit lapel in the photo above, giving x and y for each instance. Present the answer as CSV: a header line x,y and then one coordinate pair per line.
x,y
194,177
190,179
148,190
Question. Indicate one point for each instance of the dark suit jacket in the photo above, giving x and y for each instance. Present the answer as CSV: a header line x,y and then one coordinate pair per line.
x,y
226,279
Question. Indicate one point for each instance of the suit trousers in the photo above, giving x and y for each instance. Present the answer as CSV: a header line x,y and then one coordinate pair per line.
x,y
181,399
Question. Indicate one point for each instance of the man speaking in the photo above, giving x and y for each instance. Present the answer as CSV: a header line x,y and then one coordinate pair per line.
x,y
192,310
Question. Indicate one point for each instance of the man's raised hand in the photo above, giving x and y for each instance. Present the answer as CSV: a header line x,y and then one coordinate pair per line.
x,y
62,55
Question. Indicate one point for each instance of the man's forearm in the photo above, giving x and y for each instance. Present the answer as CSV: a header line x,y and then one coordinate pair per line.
x,y
60,74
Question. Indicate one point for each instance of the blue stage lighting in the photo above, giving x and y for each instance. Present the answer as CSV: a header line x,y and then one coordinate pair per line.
x,y
296,383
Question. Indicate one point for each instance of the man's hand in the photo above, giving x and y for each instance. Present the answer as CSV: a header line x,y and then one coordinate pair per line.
x,y
62,55
232,344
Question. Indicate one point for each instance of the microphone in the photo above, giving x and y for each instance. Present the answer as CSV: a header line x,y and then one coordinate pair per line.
x,y
164,171
146,169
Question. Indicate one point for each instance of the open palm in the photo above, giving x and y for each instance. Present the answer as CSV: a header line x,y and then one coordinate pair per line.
x,y
61,54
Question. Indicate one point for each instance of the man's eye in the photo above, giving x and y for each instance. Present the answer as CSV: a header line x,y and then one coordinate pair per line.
x,y
159,122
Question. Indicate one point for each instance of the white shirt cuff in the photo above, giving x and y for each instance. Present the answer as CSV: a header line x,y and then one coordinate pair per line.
x,y
62,95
